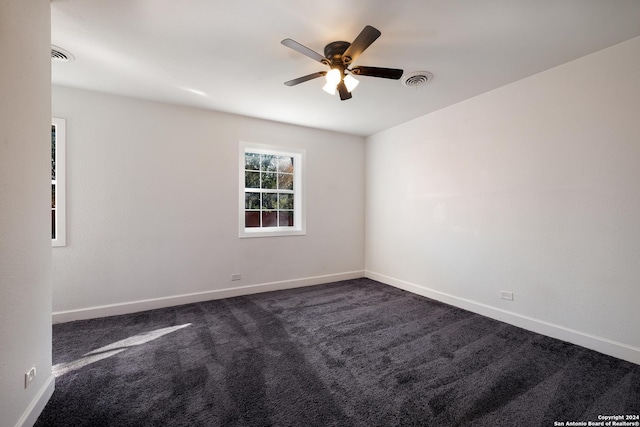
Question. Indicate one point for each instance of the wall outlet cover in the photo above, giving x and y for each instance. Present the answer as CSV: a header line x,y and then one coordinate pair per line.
x,y
506,295
29,377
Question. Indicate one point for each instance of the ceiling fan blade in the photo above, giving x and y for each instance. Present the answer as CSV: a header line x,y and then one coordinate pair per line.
x,y
367,36
342,90
305,51
385,73
305,78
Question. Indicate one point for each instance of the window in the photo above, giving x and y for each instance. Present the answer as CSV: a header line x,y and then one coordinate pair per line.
x,y
58,145
271,191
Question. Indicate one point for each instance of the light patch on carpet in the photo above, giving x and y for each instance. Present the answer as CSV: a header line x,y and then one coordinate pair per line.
x,y
113,349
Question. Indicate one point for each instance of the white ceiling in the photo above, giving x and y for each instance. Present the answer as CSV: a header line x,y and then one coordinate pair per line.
x,y
227,56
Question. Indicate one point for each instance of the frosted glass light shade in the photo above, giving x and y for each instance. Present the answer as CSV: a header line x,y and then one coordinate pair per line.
x,y
333,76
350,82
330,88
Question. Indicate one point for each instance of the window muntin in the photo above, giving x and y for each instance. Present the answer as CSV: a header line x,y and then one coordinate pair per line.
x,y
271,191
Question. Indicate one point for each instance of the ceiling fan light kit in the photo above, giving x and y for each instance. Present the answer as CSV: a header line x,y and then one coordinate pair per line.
x,y
339,56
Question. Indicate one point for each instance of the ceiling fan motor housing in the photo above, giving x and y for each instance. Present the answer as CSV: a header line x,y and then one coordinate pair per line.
x,y
334,51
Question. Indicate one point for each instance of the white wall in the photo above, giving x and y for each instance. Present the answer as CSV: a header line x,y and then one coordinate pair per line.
x,y
152,207
25,221
532,188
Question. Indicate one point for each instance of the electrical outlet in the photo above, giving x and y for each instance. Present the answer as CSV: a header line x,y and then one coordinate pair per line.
x,y
506,295
236,276
29,377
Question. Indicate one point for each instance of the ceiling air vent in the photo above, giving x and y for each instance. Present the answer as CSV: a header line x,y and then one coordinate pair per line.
x,y
59,54
416,78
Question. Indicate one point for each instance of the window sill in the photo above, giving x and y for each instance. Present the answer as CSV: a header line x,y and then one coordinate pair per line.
x,y
275,232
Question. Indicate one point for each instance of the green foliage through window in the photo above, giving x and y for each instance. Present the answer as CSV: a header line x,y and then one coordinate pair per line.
x,y
269,190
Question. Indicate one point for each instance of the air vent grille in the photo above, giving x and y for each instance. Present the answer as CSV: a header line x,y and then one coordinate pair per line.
x,y
416,78
61,55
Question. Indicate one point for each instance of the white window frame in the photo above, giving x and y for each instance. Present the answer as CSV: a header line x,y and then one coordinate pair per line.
x,y
59,211
299,219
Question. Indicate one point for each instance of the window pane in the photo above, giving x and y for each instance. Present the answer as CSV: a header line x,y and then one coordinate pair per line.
x,y
269,218
269,180
269,201
53,152
252,219
285,219
269,163
272,180
285,201
252,200
58,221
285,181
252,179
252,161
285,164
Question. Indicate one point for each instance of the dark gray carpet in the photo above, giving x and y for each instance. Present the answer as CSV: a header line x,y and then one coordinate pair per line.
x,y
353,353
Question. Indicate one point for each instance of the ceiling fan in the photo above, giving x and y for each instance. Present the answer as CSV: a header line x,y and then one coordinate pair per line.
x,y
339,56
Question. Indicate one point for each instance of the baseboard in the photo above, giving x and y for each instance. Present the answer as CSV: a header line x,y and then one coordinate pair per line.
x,y
599,344
150,304
33,411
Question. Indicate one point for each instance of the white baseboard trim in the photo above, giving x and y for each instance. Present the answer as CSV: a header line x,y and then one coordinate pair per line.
x,y
151,304
599,344
33,411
